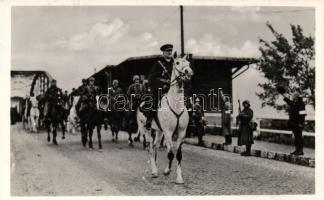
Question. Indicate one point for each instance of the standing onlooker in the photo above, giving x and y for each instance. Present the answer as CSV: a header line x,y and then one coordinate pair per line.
x,y
26,111
189,107
71,96
198,118
226,119
245,133
296,120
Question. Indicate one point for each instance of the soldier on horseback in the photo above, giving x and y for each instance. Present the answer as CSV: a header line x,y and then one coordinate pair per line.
x,y
159,79
81,91
51,96
91,91
115,90
116,114
134,93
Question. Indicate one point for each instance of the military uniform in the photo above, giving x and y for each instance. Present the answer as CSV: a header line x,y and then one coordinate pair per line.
x,y
91,91
136,90
158,77
296,121
245,134
81,91
197,115
226,121
115,92
51,96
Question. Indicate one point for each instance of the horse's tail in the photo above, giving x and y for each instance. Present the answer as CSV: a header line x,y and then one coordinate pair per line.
x,y
141,120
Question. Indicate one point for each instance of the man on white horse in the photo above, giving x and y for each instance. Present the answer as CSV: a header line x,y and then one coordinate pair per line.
x,y
171,118
159,79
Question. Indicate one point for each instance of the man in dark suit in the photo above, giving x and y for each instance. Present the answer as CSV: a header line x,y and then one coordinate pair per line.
x,y
159,79
297,114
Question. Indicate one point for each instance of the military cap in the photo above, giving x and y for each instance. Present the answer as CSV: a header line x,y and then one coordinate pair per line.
x,y
135,77
53,81
246,102
115,81
166,47
84,80
91,79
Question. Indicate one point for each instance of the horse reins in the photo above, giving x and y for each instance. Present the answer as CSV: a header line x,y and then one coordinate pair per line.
x,y
172,82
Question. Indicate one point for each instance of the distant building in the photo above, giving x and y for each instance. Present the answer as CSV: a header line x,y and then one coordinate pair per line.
x,y
24,83
210,73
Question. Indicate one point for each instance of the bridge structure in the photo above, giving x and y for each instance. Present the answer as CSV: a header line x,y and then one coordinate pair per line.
x,y
23,83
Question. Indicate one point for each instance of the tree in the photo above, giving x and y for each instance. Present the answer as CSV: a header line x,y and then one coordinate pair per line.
x,y
287,64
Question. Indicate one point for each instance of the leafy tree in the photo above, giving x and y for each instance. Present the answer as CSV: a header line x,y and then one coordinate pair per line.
x,y
287,64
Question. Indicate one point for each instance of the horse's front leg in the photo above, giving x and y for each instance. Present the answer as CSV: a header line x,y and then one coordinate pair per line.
x,y
83,134
144,142
99,137
130,137
29,124
179,179
155,138
37,124
137,138
117,131
48,127
63,129
90,131
168,139
54,134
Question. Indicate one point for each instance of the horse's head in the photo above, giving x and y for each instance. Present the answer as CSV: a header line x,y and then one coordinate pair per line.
x,y
182,69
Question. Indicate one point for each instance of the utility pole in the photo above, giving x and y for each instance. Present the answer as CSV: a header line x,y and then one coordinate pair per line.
x,y
181,26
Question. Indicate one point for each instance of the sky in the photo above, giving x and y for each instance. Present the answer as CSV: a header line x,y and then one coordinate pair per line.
x,y
72,42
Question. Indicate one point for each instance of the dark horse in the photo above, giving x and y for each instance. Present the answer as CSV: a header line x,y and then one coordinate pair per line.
x,y
90,117
56,116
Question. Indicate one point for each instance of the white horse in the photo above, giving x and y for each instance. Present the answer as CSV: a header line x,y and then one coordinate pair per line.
x,y
73,117
34,115
173,119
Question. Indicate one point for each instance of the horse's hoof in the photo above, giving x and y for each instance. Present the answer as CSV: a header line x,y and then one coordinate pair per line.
x,y
63,137
155,175
131,144
48,139
55,143
180,181
90,148
166,173
100,150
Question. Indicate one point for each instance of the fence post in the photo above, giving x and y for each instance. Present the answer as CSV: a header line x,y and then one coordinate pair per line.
x,y
257,132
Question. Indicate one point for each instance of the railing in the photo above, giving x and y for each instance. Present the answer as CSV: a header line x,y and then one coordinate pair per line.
x,y
258,121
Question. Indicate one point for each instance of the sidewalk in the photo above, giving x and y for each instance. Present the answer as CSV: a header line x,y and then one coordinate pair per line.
x,y
280,152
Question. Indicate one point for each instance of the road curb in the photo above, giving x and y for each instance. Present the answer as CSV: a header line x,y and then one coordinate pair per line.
x,y
284,157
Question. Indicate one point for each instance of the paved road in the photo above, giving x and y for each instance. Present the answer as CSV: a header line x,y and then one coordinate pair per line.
x,y
40,168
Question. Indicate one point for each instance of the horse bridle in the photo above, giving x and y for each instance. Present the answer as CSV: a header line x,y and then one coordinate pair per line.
x,y
174,81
